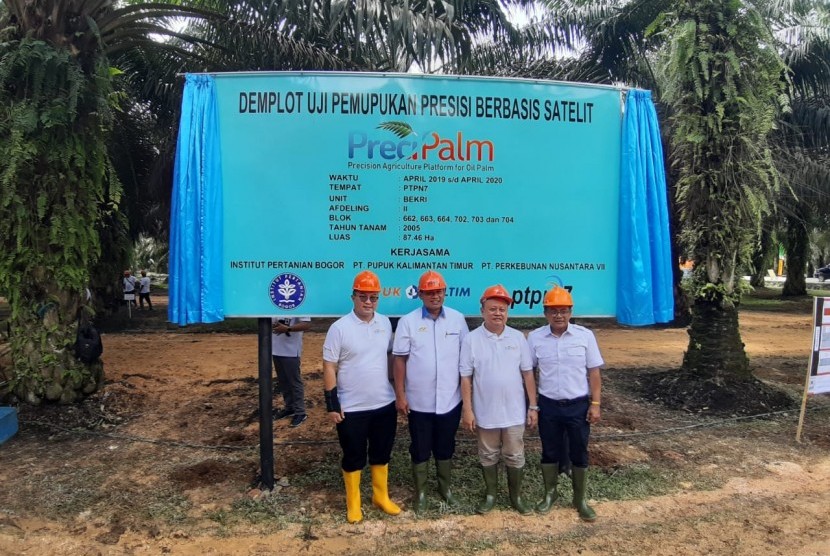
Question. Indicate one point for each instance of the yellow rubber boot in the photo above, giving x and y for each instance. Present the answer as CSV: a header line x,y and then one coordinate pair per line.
x,y
353,512
380,490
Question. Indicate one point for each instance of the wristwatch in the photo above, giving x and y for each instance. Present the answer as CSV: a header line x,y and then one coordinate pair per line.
x,y
533,407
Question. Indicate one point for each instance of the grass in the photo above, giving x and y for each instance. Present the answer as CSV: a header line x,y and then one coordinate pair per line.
x,y
627,482
770,299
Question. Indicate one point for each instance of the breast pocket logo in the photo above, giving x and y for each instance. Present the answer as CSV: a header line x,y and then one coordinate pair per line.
x,y
287,291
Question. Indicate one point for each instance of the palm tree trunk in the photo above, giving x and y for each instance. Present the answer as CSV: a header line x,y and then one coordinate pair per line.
x,y
44,367
715,345
761,259
797,244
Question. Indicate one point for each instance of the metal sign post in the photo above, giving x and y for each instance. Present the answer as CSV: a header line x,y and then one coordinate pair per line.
x,y
266,425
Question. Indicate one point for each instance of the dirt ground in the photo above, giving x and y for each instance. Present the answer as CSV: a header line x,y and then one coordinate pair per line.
x,y
161,461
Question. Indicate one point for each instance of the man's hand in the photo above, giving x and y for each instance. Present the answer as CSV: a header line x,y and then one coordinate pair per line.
x,y
336,417
402,405
532,418
594,414
468,419
279,328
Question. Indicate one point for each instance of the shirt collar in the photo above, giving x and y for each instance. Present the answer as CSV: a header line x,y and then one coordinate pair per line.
x,y
567,331
493,334
358,320
425,313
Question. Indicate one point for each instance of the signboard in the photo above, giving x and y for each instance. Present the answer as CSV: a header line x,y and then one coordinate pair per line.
x,y
484,180
818,381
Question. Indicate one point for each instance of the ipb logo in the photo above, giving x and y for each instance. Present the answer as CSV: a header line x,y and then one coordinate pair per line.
x,y
287,291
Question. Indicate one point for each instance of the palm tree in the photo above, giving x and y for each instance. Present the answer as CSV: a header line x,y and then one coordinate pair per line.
x,y
725,87
803,139
723,106
59,196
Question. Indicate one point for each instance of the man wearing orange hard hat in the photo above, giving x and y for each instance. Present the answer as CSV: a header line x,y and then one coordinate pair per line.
x,y
570,390
426,349
359,396
496,371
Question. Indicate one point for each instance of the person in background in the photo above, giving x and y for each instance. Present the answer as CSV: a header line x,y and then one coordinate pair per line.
x,y
427,387
496,374
144,290
359,396
128,285
286,349
570,390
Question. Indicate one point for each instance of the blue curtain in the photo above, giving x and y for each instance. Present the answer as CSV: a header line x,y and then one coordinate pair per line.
x,y
644,286
196,293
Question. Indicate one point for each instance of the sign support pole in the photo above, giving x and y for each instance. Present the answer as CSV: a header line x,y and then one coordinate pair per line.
x,y
266,424
803,407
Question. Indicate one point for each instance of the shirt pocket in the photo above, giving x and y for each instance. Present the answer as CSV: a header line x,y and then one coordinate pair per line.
x,y
575,356
452,340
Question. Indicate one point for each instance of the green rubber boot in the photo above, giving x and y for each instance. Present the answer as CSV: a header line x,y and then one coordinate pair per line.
x,y
550,475
491,484
515,477
443,469
580,476
419,476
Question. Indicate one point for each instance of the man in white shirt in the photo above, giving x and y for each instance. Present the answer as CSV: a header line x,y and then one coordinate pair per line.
x,y
128,285
144,290
286,349
570,390
359,396
496,373
427,387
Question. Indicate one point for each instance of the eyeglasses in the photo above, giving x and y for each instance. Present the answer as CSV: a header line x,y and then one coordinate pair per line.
x,y
364,298
433,293
557,312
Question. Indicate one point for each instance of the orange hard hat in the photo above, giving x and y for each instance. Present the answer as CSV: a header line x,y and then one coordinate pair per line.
x,y
366,281
558,297
496,292
431,281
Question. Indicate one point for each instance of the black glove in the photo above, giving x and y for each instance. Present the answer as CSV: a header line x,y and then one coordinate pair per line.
x,y
332,401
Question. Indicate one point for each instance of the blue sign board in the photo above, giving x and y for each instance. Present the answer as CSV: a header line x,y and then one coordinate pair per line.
x,y
484,180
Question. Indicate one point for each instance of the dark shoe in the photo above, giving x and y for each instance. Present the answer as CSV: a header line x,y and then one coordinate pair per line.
x,y
443,469
550,476
298,420
515,477
491,483
580,478
282,414
419,477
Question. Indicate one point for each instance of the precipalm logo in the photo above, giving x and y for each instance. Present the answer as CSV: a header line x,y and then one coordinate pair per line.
x,y
407,146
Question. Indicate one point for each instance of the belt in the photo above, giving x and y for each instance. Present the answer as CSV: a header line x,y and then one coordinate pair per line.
x,y
566,402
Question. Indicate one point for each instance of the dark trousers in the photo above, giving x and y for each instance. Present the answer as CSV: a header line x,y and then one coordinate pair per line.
x,y
290,383
557,418
373,429
142,297
433,434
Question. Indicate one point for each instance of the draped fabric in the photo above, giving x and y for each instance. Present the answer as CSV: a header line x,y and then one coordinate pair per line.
x,y
196,289
644,285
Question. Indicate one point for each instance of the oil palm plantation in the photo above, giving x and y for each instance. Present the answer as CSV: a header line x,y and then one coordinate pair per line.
x,y
91,95
60,198
720,70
